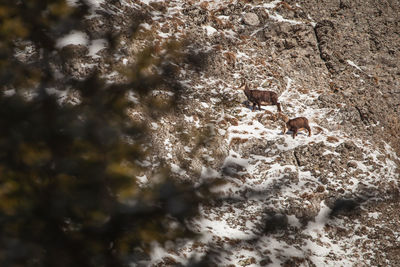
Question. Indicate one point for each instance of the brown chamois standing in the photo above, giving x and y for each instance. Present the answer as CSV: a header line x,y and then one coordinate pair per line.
x,y
258,97
296,124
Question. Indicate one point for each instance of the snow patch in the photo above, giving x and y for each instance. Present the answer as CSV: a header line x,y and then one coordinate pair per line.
x,y
96,46
73,38
351,63
210,30
176,169
142,179
207,172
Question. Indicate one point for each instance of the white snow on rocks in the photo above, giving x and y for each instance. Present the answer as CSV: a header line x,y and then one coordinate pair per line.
x,y
279,18
73,38
351,63
94,3
210,30
96,46
176,169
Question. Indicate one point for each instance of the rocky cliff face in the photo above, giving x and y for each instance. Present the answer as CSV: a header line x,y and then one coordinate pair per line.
x,y
331,198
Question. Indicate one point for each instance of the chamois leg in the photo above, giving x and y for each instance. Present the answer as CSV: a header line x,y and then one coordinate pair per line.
x,y
254,106
309,130
278,105
275,102
294,132
285,129
259,106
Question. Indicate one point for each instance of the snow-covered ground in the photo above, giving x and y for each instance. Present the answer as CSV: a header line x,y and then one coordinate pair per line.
x,y
263,181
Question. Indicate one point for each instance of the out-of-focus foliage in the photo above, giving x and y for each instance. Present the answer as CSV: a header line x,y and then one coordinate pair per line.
x,y
40,22
68,195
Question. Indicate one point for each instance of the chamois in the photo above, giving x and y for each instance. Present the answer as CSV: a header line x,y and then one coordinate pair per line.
x,y
258,97
295,125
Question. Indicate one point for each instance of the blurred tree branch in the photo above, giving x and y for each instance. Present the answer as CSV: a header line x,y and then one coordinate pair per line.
x,y
68,194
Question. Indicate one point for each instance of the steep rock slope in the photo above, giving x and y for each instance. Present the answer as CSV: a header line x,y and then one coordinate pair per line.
x,y
326,199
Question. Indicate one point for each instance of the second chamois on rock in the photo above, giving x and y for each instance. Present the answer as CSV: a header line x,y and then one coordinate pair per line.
x,y
295,125
258,97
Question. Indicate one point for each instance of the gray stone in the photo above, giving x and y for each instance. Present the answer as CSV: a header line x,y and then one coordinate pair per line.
x,y
251,19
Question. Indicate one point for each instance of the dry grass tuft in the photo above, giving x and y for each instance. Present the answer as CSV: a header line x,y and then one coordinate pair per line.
x,y
273,117
333,87
283,4
230,57
238,141
320,188
232,121
332,139
317,130
260,61
204,5
303,90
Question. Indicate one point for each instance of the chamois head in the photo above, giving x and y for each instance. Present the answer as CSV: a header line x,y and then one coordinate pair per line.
x,y
284,119
243,84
